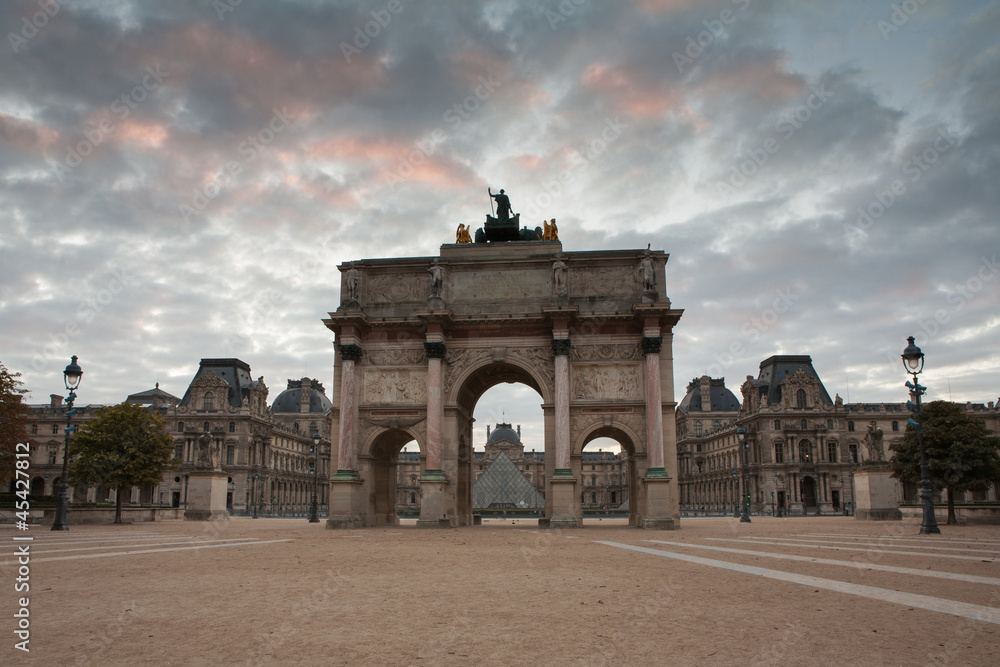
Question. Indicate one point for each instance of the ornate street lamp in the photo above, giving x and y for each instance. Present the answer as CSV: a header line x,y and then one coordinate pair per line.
x,y
913,362
314,508
71,378
741,438
736,493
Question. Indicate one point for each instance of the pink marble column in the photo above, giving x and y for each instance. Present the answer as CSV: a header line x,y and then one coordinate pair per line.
x,y
561,348
346,458
435,407
654,406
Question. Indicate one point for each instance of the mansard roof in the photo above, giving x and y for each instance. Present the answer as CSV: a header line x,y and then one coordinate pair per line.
x,y
776,369
234,372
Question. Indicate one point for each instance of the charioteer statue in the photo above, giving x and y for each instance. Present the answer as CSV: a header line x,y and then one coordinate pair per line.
x,y
503,226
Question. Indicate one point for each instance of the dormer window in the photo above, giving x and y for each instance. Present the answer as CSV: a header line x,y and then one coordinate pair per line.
x,y
208,403
800,398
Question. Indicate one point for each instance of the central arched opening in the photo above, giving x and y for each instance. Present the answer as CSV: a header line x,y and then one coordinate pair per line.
x,y
501,426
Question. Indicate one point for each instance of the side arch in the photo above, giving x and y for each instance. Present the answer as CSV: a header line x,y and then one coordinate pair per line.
x,y
629,441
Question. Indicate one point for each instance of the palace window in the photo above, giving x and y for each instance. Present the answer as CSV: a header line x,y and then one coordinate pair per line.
x,y
831,452
180,427
716,424
204,427
230,455
895,426
34,429
179,452
804,425
800,398
55,429
52,455
853,452
697,428
593,498
805,451
777,424
779,453
850,426
829,424
232,427
209,402
614,498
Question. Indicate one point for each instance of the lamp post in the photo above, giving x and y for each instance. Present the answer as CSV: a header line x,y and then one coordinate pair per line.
x,y
774,510
741,438
314,508
913,362
736,493
853,500
71,378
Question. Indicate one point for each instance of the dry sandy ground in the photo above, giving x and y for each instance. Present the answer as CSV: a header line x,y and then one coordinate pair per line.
x,y
499,594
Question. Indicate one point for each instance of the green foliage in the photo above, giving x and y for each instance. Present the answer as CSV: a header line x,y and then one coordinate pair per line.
x,y
13,415
962,454
126,445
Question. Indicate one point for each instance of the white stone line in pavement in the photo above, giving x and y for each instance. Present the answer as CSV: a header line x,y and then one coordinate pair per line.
x,y
975,612
148,551
945,540
858,565
112,542
35,550
859,548
803,540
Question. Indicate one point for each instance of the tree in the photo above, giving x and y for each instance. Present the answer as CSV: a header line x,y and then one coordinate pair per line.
x,y
13,413
962,454
125,445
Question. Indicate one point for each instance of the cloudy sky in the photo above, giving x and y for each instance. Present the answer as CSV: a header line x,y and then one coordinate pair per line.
x,y
180,180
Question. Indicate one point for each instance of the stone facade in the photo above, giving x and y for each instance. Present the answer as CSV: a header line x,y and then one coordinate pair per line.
x,y
802,450
266,453
591,332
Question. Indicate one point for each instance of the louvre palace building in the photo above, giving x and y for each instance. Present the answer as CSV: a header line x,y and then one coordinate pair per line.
x,y
801,446
267,449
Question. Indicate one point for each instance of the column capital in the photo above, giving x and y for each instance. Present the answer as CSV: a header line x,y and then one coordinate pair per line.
x,y
350,352
560,346
652,344
435,350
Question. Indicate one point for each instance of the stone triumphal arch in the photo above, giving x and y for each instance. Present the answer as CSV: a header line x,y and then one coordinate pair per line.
x,y
419,340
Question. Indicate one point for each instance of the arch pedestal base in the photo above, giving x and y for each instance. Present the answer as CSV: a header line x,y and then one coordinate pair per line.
x,y
563,503
657,486
433,501
346,502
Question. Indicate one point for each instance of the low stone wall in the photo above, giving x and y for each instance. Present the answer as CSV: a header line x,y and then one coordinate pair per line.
x,y
964,513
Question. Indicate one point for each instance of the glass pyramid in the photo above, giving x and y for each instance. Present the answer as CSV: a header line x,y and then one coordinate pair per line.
x,y
503,486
